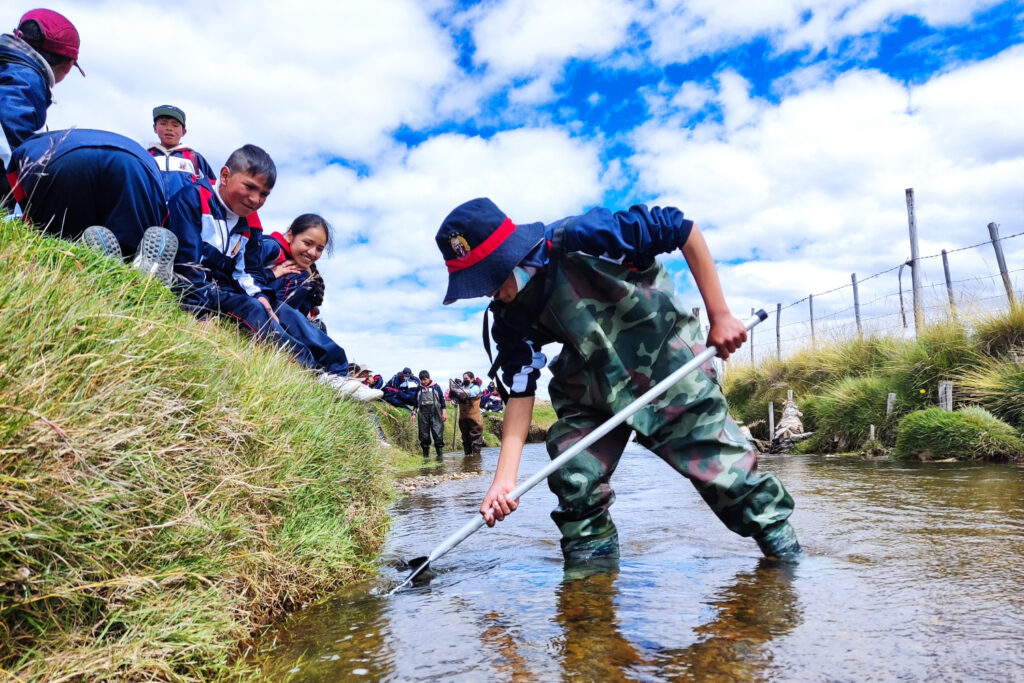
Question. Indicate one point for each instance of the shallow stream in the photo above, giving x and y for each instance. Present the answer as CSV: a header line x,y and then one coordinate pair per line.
x,y
913,573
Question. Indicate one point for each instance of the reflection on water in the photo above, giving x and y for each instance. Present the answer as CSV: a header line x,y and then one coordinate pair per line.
x,y
913,573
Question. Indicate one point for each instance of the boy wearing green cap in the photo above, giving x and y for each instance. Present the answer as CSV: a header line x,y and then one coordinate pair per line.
x,y
593,284
179,164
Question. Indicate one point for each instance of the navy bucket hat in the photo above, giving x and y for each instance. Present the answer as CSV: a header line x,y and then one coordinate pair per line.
x,y
481,246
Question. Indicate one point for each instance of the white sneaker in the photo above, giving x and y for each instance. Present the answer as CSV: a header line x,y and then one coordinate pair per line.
x,y
352,388
336,382
102,240
156,254
364,393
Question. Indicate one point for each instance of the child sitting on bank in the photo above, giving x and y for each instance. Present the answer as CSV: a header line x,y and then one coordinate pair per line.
x,y
179,164
592,282
288,274
218,251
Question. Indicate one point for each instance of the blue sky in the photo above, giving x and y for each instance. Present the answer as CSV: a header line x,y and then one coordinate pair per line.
x,y
788,129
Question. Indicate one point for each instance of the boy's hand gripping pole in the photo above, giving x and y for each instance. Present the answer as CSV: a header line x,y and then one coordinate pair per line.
x,y
571,452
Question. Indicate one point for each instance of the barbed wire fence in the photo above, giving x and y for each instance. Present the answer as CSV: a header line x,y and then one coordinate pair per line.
x,y
961,284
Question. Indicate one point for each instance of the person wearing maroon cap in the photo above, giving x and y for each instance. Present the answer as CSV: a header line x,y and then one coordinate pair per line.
x,y
38,55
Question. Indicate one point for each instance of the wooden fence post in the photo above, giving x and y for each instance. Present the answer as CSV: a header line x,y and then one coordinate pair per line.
x,y
771,421
778,334
915,271
946,395
810,303
856,305
949,285
993,231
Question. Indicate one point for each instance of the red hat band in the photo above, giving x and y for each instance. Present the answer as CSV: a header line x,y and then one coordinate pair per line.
x,y
482,250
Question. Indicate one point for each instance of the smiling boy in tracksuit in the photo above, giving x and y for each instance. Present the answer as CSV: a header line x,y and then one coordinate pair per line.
x,y
218,250
179,164
592,283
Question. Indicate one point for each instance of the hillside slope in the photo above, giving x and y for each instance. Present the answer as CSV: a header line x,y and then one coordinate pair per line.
x,y
167,486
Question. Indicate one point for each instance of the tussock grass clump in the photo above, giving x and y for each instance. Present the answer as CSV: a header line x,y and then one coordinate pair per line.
x,y
1002,335
842,388
840,415
997,387
969,434
167,486
940,352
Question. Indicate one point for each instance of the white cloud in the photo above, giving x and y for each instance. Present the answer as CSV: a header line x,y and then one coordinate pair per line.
x,y
519,36
682,31
814,186
811,186
299,79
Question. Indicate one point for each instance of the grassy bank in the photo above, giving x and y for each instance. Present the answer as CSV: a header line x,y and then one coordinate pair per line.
x,y
167,487
842,388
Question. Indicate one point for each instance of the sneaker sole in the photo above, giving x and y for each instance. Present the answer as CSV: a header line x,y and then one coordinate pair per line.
x,y
156,254
102,240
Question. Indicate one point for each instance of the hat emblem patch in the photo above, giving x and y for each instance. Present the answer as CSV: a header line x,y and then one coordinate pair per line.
x,y
459,245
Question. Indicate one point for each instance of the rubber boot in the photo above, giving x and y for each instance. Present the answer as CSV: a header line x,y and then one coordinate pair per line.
x,y
779,542
440,451
578,551
426,451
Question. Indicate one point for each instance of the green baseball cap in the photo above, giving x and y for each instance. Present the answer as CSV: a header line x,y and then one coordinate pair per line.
x,y
169,110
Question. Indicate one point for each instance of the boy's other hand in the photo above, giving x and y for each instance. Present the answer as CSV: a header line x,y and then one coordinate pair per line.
x,y
497,503
726,334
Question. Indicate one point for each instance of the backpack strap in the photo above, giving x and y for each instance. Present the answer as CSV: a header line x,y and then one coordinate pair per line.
x,y
555,250
493,371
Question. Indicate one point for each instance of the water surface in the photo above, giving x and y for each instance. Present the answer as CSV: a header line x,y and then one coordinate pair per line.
x,y
913,573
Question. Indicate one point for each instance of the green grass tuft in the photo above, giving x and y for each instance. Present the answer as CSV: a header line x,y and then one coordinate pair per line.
x,y
842,387
969,434
997,387
167,486
1002,335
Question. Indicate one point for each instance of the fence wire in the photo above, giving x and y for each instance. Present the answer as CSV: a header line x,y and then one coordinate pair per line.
x,y
886,301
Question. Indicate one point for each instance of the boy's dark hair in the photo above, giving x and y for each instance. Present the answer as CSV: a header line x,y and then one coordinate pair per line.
x,y
312,220
32,33
424,374
254,161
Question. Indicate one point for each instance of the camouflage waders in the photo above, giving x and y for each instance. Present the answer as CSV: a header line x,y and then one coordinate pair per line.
x,y
623,332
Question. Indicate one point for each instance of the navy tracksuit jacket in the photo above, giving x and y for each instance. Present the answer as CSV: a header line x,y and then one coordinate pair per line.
x,y
25,84
180,167
67,180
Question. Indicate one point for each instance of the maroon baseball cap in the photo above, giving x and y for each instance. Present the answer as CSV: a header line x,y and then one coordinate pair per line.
x,y
59,35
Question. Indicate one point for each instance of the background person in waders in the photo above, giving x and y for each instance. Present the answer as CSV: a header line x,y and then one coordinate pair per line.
x,y
430,414
471,421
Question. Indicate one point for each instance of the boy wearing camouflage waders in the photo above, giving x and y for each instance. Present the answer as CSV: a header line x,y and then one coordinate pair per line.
x,y
592,283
